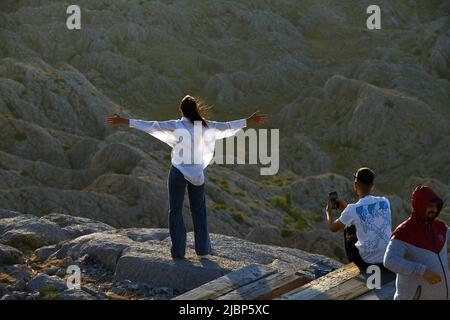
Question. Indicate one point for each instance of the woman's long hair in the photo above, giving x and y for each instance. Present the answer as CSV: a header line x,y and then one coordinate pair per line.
x,y
194,109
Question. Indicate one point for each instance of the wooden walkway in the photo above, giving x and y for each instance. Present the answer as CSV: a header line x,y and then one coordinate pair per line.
x,y
257,282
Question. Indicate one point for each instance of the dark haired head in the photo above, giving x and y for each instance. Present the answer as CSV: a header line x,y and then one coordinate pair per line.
x,y
365,176
194,109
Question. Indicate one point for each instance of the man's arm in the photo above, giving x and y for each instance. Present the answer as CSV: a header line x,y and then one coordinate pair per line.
x,y
394,260
448,240
335,225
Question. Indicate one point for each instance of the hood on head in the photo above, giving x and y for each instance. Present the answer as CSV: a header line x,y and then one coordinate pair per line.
x,y
421,197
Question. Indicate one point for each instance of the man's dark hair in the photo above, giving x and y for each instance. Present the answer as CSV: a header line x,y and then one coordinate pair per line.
x,y
365,176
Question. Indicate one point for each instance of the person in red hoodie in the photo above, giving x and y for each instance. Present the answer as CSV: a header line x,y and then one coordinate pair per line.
x,y
417,252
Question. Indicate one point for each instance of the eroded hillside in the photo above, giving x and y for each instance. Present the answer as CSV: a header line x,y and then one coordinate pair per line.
x,y
342,96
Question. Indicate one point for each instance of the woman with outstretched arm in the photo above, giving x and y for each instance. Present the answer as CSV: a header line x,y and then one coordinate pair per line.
x,y
193,132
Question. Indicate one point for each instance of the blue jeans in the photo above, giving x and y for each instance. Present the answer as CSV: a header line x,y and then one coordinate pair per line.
x,y
177,186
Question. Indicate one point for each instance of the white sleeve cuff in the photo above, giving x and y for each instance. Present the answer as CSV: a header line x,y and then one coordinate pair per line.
x,y
238,124
133,123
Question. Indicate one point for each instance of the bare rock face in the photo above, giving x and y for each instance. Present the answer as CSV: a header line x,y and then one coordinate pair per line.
x,y
133,262
41,254
28,232
75,294
26,140
161,270
440,55
104,248
8,214
10,255
143,235
44,282
37,82
148,259
75,227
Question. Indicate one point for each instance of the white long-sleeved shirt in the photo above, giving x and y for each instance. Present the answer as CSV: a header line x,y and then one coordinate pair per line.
x,y
199,141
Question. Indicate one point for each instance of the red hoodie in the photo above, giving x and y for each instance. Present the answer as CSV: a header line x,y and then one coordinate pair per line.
x,y
415,229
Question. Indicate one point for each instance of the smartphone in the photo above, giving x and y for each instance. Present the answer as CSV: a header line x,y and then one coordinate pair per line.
x,y
333,196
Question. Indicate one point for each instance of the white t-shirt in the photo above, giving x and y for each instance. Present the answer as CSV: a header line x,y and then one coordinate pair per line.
x,y
371,217
183,135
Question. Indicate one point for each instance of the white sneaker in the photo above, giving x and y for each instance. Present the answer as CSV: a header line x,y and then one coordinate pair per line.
x,y
204,257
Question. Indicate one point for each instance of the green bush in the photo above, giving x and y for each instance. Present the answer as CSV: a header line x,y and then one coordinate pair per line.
x,y
301,225
280,202
20,136
285,203
239,217
240,193
286,233
224,184
59,79
417,52
218,206
389,104
49,293
7,116
316,217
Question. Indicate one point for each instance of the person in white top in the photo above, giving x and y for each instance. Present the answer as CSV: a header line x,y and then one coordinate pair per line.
x,y
192,139
366,223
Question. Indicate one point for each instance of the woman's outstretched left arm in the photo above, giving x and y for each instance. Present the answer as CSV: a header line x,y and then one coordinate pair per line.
x,y
230,128
257,117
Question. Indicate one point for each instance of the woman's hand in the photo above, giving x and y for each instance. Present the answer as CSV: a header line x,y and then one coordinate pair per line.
x,y
116,119
258,118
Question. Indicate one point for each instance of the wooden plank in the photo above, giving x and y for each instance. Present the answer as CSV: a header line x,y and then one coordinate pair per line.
x,y
348,290
386,292
227,283
269,287
321,285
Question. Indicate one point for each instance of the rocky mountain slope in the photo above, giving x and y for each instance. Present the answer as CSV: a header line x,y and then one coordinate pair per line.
x,y
342,95
132,263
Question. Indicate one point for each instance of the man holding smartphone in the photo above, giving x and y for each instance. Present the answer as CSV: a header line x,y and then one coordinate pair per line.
x,y
366,223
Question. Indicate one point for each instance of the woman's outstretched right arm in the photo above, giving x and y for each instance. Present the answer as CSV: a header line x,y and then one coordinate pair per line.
x,y
162,130
143,125
116,119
